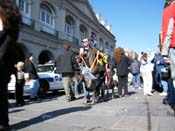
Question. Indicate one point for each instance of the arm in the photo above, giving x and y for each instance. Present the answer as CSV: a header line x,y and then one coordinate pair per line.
x,y
167,37
5,44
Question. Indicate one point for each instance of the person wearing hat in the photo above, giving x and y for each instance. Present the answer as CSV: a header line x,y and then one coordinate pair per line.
x,y
19,84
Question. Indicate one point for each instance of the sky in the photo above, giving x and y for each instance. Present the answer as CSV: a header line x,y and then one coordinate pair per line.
x,y
135,23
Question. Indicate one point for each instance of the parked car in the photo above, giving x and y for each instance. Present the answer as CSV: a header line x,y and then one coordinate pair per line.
x,y
48,79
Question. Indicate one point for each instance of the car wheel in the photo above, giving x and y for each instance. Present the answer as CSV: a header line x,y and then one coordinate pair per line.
x,y
44,86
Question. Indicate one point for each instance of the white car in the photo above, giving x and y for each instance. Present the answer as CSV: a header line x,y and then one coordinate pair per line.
x,y
48,79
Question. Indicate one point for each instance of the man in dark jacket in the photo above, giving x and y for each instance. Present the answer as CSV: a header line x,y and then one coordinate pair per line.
x,y
65,67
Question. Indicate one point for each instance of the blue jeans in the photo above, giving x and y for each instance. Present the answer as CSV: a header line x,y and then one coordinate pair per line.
x,y
171,94
76,86
86,93
87,74
172,64
164,86
34,86
136,79
172,81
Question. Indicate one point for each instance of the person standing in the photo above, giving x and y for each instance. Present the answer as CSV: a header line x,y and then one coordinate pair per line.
x,y
135,70
10,20
20,81
32,76
168,43
159,65
146,71
122,65
64,65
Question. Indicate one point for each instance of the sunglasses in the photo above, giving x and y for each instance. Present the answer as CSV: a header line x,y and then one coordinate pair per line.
x,y
85,41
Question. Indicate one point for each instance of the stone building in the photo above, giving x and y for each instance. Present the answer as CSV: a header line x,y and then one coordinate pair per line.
x,y
48,24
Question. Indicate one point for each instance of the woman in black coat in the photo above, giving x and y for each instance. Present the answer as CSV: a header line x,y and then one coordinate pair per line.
x,y
122,65
9,28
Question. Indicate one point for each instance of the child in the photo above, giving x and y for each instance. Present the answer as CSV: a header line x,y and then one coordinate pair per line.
x,y
19,84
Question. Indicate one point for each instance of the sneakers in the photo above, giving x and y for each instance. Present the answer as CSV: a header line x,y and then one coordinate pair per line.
x,y
71,99
163,94
149,94
139,87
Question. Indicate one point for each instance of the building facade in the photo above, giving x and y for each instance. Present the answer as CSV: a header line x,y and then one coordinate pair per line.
x,y
48,24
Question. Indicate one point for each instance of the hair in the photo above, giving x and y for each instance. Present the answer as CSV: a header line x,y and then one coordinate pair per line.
x,y
132,54
28,57
167,3
145,56
67,47
10,16
118,52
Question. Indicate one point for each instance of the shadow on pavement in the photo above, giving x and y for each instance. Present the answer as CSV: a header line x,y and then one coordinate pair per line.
x,y
131,93
49,97
47,116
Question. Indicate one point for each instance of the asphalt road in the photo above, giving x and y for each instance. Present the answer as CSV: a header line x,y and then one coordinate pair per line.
x,y
133,113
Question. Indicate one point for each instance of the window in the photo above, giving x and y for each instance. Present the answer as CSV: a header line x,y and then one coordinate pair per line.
x,y
47,19
24,6
69,25
46,15
83,32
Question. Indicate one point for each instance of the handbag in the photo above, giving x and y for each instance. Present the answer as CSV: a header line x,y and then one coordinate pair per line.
x,y
165,72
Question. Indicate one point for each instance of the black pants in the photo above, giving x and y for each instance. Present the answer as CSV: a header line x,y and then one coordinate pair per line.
x,y
123,83
3,104
19,92
4,79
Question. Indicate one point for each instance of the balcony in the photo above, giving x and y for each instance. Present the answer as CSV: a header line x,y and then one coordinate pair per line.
x,y
28,22
40,27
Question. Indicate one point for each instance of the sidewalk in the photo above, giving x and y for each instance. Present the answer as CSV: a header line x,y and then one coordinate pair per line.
x,y
133,113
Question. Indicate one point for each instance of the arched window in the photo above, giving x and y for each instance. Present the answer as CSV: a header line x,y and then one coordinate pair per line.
x,y
47,19
107,47
112,50
101,43
69,24
83,32
24,6
46,15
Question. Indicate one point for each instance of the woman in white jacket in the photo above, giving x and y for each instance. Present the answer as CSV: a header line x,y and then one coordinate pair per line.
x,y
146,72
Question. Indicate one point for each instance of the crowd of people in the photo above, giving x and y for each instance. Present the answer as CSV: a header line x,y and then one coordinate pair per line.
x,y
90,71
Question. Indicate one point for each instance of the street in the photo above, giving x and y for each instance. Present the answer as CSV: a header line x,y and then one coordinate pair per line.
x,y
133,113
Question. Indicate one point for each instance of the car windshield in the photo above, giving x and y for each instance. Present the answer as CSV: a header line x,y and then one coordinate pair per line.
x,y
45,68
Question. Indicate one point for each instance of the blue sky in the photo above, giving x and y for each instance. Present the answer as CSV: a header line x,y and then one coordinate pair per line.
x,y
135,23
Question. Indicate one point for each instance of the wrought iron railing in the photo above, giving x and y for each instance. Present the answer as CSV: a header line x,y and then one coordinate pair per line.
x,y
38,26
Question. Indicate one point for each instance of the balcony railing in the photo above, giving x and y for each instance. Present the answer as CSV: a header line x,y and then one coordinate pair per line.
x,y
28,22
38,26
68,37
